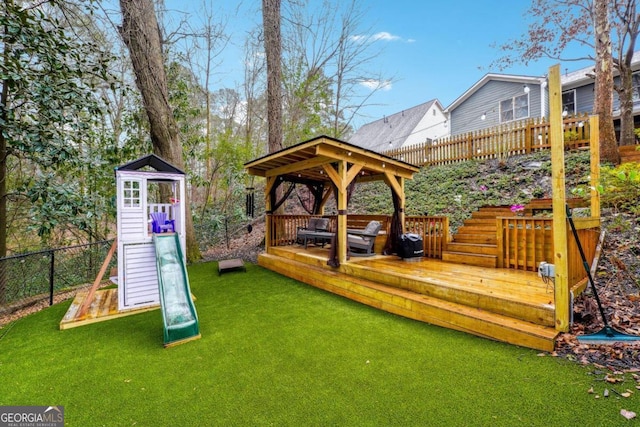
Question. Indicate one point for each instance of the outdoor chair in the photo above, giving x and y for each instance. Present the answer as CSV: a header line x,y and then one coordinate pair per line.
x,y
314,225
160,223
361,242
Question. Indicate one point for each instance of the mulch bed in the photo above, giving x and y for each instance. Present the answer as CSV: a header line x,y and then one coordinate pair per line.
x,y
618,286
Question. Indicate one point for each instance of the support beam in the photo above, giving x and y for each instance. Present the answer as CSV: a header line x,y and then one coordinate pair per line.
x,y
594,149
268,219
561,287
341,231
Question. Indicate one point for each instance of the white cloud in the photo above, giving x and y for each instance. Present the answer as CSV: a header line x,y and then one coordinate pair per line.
x,y
381,36
373,84
384,36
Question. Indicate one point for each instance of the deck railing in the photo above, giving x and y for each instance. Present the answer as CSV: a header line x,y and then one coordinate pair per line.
x,y
524,242
434,230
514,138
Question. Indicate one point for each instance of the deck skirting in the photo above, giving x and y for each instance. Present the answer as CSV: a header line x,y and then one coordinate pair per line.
x,y
506,305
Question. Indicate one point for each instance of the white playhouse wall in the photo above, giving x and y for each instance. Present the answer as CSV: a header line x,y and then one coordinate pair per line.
x,y
137,275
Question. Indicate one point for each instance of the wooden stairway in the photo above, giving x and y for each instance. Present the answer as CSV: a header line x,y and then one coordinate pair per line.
x,y
628,153
475,242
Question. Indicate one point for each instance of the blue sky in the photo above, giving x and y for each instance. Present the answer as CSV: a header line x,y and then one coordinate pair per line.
x,y
434,49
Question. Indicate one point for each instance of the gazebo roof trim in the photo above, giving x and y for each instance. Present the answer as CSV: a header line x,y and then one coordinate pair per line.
x,y
306,160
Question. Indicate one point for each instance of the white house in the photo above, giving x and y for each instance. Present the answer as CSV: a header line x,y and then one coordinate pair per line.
x,y
415,125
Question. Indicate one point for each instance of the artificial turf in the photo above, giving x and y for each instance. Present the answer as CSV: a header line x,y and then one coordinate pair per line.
x,y
277,352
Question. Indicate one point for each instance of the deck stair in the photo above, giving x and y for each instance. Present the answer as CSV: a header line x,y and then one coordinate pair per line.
x,y
629,153
475,242
463,298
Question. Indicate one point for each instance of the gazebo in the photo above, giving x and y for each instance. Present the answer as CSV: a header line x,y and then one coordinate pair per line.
x,y
329,166
507,302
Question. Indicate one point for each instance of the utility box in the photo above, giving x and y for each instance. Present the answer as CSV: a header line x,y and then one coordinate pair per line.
x,y
411,246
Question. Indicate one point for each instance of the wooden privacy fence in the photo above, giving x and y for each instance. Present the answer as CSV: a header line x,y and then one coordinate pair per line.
x,y
524,242
500,142
434,230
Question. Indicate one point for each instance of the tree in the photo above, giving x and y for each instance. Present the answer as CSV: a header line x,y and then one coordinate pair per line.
x,y
561,23
141,33
273,53
47,109
328,56
626,24
604,81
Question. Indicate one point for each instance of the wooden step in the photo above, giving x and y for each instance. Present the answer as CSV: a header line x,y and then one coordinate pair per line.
x,y
481,221
490,239
477,228
416,306
473,248
481,260
491,214
629,153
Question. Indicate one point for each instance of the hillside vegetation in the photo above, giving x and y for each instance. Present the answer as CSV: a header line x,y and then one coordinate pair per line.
x,y
458,189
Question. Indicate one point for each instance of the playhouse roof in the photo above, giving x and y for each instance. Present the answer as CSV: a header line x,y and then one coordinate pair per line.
x,y
157,163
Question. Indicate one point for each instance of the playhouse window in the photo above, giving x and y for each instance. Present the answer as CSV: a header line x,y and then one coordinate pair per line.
x,y
131,194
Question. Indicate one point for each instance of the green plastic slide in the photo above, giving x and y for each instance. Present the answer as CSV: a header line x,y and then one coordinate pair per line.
x,y
178,312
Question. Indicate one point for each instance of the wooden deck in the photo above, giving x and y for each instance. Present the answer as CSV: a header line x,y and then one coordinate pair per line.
x,y
512,306
103,307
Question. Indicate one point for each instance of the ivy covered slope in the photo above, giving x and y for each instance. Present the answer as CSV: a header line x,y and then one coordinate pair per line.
x,y
457,190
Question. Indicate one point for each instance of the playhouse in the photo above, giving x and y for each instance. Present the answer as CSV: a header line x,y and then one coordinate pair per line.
x,y
147,187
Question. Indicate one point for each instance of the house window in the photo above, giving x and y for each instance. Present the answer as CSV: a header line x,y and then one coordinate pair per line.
x,y
569,101
131,194
514,108
635,78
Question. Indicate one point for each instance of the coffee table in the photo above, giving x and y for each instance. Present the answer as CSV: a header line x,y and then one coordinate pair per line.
x,y
323,237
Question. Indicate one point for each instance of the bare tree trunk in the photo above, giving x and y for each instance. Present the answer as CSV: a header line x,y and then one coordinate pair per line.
x,y
627,26
625,94
273,50
604,82
141,34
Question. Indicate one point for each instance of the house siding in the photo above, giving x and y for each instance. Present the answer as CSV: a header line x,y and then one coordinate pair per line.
x,y
486,100
431,126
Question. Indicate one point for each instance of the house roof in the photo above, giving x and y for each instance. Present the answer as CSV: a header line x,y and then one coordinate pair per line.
x,y
308,161
153,161
586,75
391,131
493,77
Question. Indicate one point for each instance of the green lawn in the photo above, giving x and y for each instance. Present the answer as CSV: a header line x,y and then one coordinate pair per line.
x,y
277,352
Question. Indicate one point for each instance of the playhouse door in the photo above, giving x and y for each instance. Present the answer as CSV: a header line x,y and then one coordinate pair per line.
x,y
140,287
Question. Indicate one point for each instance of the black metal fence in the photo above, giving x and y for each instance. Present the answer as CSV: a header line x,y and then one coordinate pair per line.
x,y
43,273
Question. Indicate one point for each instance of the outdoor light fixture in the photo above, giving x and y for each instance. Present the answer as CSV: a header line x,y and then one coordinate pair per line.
x,y
526,89
580,124
565,112
383,165
483,116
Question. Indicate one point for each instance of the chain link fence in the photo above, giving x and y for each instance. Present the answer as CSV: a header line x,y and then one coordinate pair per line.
x,y
39,275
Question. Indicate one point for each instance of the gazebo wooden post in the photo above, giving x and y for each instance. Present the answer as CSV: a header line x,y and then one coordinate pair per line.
x,y
339,178
268,220
402,204
594,147
561,288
